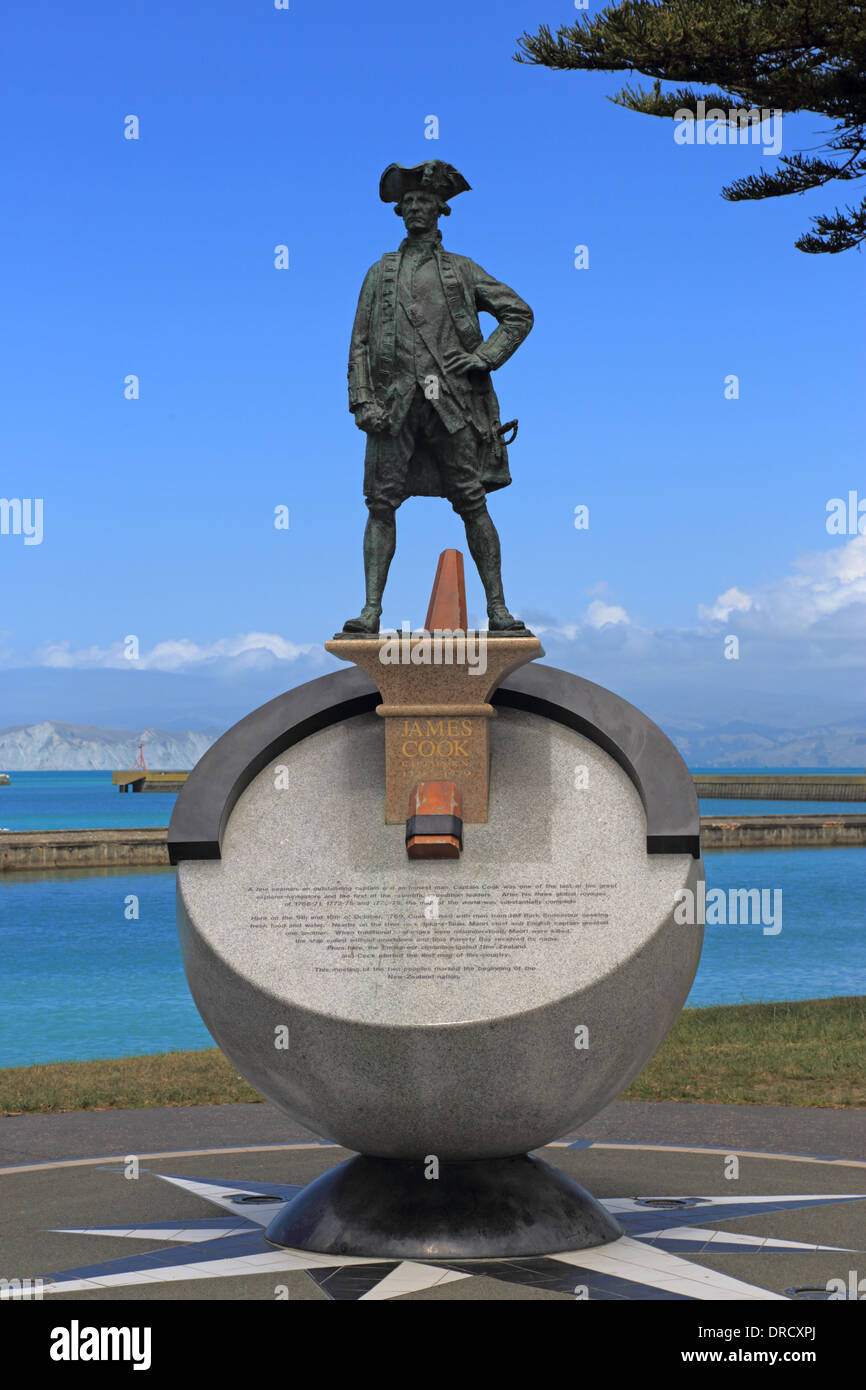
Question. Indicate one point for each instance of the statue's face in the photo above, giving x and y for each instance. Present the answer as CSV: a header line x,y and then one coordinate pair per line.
x,y
420,212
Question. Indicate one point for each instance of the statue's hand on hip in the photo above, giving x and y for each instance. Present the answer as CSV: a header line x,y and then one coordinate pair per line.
x,y
371,418
459,363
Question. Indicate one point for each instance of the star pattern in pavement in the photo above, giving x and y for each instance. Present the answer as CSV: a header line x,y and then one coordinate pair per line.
x,y
645,1263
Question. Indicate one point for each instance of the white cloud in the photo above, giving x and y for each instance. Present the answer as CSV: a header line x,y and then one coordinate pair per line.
x,y
732,600
600,614
825,585
802,644
597,616
244,651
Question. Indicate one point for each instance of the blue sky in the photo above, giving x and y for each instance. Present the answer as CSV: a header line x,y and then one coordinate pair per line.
x,y
155,257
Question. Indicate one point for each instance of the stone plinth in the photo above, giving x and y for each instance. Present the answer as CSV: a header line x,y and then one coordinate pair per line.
x,y
436,690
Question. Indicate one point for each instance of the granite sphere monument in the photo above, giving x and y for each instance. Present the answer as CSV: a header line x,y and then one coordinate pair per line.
x,y
459,1012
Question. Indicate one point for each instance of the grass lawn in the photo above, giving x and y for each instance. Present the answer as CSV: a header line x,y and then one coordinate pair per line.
x,y
805,1053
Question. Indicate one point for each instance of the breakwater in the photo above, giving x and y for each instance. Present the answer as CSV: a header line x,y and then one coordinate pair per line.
x,y
775,786
781,832
145,781
127,848
82,849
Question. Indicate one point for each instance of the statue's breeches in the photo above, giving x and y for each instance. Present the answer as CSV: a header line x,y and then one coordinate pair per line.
x,y
424,459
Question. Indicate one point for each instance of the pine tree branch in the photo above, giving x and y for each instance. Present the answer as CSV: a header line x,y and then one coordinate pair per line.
x,y
659,103
797,174
787,54
841,232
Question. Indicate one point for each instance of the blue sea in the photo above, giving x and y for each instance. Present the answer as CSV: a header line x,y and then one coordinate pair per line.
x,y
83,978
77,801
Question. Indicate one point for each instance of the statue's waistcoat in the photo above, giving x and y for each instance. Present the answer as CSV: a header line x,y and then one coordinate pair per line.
x,y
458,300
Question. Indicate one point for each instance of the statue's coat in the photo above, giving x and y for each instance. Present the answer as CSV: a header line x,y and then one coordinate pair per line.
x,y
372,374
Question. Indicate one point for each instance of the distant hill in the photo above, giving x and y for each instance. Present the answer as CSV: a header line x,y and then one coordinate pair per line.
x,y
54,746
741,745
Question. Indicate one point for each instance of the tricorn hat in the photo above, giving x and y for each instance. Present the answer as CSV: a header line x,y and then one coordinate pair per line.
x,y
433,176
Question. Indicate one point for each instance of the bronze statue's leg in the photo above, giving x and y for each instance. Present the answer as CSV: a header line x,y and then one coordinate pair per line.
x,y
380,539
458,457
385,465
483,541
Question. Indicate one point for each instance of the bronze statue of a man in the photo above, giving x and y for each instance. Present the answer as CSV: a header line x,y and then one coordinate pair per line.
x,y
420,388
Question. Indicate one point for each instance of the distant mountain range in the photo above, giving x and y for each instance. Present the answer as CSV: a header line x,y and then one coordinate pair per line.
x,y
55,746
739,744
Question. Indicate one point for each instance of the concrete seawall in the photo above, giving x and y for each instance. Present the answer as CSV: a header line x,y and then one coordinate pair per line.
x,y
789,786
779,832
82,849
121,849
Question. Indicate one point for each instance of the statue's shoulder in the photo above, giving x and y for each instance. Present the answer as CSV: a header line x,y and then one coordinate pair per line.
x,y
384,267
389,258
463,265
469,270
457,259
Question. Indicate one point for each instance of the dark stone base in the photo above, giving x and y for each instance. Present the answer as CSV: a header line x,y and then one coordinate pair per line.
x,y
488,1208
